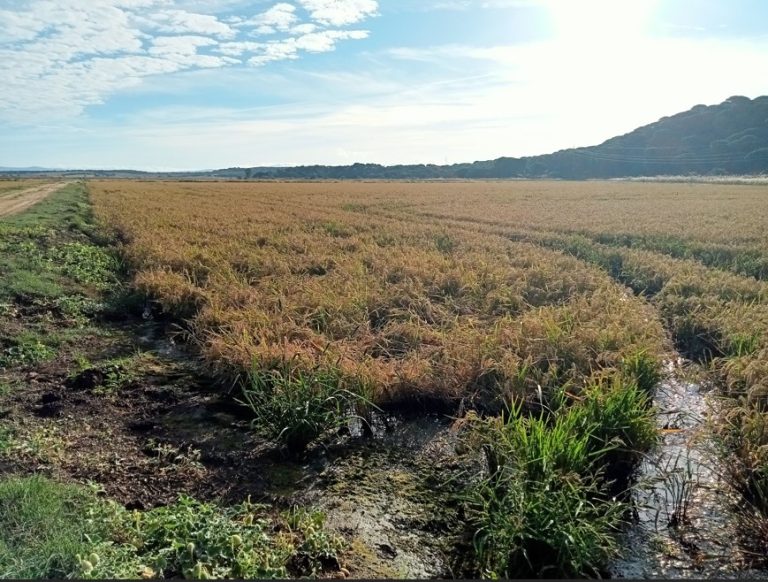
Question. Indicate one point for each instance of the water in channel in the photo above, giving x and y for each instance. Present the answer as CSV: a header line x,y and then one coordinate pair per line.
x,y
687,521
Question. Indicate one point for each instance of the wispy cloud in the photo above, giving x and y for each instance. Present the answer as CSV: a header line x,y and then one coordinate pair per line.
x,y
59,57
478,4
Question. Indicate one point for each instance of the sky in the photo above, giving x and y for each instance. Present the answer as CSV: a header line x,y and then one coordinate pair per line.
x,y
203,84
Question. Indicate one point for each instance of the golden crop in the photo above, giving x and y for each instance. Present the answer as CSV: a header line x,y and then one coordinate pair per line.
x,y
439,289
477,291
484,293
352,276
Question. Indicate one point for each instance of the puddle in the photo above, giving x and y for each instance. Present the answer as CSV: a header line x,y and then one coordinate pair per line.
x,y
687,521
152,336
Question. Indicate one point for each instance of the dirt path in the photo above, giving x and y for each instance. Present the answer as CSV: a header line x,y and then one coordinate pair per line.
x,y
18,201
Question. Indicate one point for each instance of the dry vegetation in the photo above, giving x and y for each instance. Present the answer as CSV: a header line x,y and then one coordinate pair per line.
x,y
489,294
404,309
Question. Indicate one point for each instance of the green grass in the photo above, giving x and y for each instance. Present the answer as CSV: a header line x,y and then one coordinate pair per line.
x,y
52,251
544,506
42,528
53,530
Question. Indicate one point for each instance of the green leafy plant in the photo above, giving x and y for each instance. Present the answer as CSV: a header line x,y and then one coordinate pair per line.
x,y
196,540
26,353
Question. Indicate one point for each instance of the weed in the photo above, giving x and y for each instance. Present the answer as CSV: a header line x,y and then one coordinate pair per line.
x,y
296,407
6,440
77,308
336,229
543,507
65,531
318,548
445,243
680,481
643,369
743,344
108,376
86,263
537,511
26,353
621,419
6,388
167,454
43,444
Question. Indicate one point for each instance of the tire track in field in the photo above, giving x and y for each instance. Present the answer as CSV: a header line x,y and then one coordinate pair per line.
x,y
19,201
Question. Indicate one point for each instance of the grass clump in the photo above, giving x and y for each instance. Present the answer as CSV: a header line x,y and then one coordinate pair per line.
x,y
642,368
294,406
544,504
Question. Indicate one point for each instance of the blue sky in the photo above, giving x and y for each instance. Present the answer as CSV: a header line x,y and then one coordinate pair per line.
x,y
194,84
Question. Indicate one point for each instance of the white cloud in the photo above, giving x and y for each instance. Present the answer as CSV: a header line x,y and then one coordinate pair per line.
x,y
279,17
314,42
183,22
237,48
324,41
179,45
275,51
58,57
305,28
340,12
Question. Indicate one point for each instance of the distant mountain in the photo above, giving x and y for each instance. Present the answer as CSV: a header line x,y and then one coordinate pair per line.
x,y
726,139
4,169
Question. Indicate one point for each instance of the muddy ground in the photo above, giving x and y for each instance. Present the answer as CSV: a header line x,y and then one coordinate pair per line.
x,y
152,426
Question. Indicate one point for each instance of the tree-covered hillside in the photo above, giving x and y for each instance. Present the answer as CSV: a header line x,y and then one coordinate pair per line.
x,y
729,138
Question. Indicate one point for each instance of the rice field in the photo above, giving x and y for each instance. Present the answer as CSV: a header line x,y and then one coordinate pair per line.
x,y
538,313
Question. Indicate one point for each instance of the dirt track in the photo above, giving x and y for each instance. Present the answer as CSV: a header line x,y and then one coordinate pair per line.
x,y
18,201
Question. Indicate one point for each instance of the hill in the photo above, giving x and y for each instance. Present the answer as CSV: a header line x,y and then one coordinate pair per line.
x,y
730,138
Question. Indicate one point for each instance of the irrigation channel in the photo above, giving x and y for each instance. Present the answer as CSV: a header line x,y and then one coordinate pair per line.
x,y
687,515
387,494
